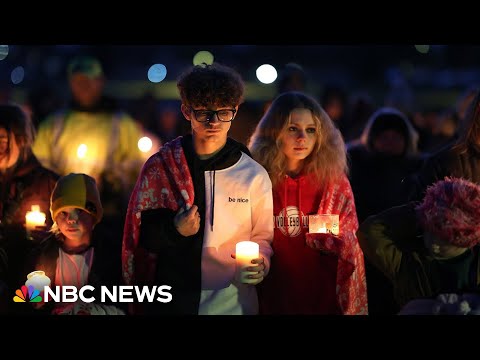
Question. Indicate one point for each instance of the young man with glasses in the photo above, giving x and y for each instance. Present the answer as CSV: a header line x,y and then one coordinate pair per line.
x,y
194,200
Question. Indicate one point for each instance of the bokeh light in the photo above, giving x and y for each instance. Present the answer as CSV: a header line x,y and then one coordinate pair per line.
x,y
17,75
266,74
145,144
423,49
203,57
157,73
3,51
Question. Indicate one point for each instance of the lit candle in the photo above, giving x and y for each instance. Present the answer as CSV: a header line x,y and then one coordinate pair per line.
x,y
34,218
245,252
323,224
82,151
38,280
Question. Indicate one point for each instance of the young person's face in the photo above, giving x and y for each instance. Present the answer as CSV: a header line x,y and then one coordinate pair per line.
x,y
214,131
9,151
298,140
75,224
439,248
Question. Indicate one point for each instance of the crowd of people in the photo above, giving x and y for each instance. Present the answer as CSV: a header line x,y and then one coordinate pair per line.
x,y
170,217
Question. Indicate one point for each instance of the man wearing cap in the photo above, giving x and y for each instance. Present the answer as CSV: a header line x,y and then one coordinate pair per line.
x,y
429,248
92,136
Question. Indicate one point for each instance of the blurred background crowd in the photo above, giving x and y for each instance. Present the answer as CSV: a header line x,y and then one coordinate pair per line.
x,y
428,82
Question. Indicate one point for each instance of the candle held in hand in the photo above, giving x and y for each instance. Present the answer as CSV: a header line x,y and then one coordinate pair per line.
x,y
323,224
245,252
34,218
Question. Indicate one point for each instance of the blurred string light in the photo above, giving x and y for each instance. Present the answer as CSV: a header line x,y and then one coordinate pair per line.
x,y
3,51
17,75
423,49
157,73
145,144
203,57
266,74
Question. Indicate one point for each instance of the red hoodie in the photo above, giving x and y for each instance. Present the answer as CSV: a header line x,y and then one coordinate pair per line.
x,y
303,280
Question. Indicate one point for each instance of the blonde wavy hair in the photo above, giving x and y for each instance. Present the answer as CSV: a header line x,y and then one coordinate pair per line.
x,y
328,159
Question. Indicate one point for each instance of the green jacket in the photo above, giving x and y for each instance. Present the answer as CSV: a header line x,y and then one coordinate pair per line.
x,y
393,242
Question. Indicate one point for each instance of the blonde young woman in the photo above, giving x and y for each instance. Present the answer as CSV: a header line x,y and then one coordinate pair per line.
x,y
305,157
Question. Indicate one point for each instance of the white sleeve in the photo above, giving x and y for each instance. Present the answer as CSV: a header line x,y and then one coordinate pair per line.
x,y
262,217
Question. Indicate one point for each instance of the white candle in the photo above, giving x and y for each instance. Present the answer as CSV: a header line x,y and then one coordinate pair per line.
x,y
34,218
245,252
38,280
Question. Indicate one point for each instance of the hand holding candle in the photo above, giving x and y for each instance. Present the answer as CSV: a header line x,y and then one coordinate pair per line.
x,y
248,272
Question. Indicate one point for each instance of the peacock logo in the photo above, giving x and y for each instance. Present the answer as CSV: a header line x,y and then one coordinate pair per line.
x,y
33,288
27,294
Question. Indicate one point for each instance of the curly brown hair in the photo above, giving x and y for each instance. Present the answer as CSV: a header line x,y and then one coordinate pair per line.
x,y
211,85
328,159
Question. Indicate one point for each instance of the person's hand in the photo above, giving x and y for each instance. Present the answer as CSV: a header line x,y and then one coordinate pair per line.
x,y
320,241
253,273
187,222
258,270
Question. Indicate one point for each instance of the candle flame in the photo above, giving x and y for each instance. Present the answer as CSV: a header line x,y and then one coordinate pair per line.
x,y
34,218
82,151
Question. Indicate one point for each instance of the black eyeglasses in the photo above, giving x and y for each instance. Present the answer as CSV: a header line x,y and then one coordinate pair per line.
x,y
225,115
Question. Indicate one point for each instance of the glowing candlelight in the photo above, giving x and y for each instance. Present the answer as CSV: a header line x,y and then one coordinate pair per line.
x,y
34,218
323,224
82,151
38,280
245,252
145,144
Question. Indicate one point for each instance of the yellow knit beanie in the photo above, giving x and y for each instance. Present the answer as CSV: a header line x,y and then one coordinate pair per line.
x,y
79,191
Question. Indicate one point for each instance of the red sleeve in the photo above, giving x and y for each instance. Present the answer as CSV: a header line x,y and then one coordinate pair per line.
x,y
351,281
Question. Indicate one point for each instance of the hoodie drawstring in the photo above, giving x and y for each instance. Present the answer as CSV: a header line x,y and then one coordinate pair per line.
x,y
212,191
300,203
285,220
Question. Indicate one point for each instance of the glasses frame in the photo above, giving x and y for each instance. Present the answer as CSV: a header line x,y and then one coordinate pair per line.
x,y
213,112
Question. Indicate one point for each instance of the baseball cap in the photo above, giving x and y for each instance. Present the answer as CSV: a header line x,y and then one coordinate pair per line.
x,y
86,65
